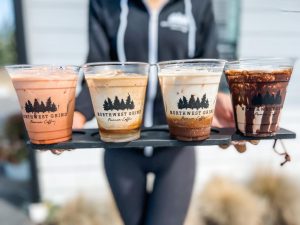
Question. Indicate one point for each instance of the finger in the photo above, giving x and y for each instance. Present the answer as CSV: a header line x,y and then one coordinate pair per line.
x,y
227,123
225,146
215,122
78,120
240,146
254,142
57,151
222,122
77,125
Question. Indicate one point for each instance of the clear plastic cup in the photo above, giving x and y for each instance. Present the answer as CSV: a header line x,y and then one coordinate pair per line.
x,y
118,94
258,89
46,95
189,89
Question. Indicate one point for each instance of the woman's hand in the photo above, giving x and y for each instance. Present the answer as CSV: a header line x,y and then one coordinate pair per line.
x,y
79,120
78,123
223,116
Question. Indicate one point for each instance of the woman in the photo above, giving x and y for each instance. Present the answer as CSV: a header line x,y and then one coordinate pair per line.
x,y
151,30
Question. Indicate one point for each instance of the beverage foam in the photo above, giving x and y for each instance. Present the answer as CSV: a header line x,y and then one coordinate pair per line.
x,y
116,79
188,72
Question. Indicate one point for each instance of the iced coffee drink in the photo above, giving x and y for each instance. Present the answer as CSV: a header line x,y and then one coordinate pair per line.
x,y
258,90
118,94
189,91
47,97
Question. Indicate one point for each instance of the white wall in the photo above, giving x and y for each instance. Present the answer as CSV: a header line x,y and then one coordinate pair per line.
x,y
268,30
56,32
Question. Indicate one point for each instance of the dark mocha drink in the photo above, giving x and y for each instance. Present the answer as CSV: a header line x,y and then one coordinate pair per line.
x,y
258,89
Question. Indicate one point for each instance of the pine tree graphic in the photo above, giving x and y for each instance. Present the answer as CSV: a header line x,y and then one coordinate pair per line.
x,y
53,108
122,105
128,100
40,107
198,103
204,102
105,105
48,104
267,99
185,102
118,104
193,103
278,98
110,104
131,106
36,106
28,107
180,104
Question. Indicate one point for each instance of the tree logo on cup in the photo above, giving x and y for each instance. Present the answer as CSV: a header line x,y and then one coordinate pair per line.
x,y
40,107
267,99
193,103
118,104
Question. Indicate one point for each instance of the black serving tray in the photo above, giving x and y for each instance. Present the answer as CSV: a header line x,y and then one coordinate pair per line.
x,y
281,134
157,136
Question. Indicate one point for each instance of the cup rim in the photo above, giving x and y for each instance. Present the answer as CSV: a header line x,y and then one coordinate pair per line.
x,y
263,60
183,61
114,64
31,66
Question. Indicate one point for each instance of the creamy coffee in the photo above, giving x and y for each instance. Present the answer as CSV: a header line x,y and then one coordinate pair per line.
x,y
118,101
47,99
189,100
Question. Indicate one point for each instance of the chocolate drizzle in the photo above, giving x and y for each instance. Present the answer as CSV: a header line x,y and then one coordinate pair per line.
x,y
249,121
262,94
275,119
265,122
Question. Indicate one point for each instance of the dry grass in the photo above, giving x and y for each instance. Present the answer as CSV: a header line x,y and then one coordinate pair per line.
x,y
223,202
268,199
282,196
84,211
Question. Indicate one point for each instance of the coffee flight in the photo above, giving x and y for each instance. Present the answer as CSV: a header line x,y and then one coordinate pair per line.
x,y
189,87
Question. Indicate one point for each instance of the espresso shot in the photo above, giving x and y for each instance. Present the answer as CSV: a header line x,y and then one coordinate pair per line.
x,y
258,90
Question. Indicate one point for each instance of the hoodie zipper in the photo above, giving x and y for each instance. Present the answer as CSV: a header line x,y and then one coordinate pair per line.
x,y
152,58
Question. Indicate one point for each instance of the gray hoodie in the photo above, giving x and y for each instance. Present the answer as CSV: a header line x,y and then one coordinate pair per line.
x,y
126,30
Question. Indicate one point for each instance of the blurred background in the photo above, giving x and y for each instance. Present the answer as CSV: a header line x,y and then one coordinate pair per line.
x,y
42,188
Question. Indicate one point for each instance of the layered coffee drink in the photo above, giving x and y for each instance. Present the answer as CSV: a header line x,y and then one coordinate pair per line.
x,y
118,95
258,90
189,91
47,98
